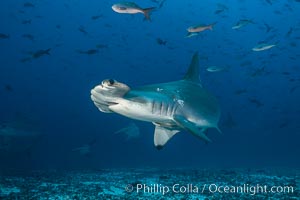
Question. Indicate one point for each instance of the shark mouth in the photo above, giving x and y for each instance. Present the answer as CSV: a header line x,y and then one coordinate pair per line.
x,y
106,103
101,101
103,106
108,93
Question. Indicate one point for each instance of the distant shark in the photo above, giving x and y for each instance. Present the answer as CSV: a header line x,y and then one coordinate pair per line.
x,y
18,137
171,107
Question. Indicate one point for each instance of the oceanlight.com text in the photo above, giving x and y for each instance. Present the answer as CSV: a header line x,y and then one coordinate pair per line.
x,y
208,189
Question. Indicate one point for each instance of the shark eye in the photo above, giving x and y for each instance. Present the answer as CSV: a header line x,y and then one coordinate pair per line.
x,y
111,81
108,82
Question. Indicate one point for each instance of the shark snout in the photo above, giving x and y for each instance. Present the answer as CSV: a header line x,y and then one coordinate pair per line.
x,y
102,99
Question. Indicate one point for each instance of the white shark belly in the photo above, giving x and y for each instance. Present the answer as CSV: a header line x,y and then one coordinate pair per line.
x,y
155,111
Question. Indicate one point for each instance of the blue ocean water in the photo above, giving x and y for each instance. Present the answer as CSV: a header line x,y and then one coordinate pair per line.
x,y
52,53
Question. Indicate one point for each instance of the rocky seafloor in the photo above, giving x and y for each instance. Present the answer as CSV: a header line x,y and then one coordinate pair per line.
x,y
151,183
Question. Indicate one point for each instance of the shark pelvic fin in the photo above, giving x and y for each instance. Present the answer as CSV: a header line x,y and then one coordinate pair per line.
x,y
193,71
183,122
162,136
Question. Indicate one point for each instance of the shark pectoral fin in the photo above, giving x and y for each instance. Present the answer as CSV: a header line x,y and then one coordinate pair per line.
x,y
162,136
183,122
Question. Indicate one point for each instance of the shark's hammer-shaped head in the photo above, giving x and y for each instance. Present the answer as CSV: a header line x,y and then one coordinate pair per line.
x,y
108,93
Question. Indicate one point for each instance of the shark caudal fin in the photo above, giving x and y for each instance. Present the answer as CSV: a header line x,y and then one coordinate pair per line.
x,y
147,12
193,71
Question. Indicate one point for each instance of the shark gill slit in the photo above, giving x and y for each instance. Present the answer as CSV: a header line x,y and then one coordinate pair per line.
x,y
157,107
166,105
161,108
175,106
152,107
169,109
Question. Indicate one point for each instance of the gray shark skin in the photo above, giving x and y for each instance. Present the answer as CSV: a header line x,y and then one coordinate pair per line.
x,y
171,107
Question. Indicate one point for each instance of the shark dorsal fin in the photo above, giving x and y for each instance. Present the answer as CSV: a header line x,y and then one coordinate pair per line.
x,y
193,72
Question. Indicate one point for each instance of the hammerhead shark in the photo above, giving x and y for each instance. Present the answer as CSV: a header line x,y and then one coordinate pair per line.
x,y
171,106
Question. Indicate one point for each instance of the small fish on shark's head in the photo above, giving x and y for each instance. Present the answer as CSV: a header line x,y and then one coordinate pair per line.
x,y
132,8
171,107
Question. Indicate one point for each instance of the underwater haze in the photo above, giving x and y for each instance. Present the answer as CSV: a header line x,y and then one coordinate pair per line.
x,y
52,53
